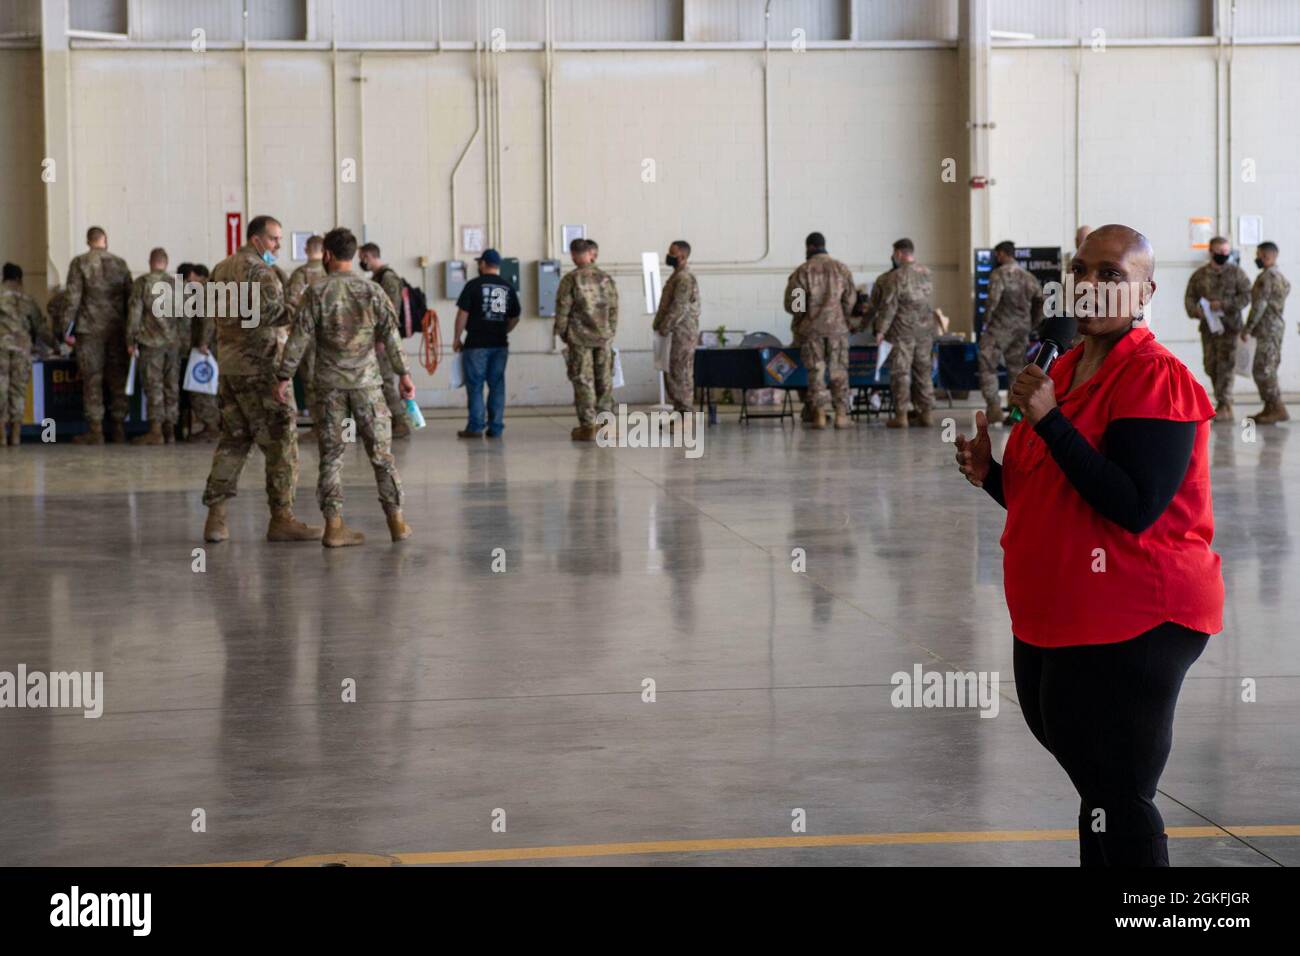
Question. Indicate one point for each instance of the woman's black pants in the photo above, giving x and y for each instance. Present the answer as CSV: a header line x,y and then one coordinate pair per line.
x,y
1106,713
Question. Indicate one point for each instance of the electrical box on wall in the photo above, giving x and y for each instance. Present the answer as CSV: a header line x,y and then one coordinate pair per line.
x,y
453,279
548,285
510,272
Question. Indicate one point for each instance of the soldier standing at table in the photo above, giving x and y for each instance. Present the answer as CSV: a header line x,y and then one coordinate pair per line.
x,y
1015,306
21,325
99,287
905,320
1225,286
151,337
679,316
819,295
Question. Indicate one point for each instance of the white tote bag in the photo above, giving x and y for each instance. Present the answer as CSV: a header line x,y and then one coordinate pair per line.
x,y
201,373
1245,357
618,370
456,371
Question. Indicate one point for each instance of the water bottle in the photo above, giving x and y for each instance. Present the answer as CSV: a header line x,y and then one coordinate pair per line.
x,y
414,414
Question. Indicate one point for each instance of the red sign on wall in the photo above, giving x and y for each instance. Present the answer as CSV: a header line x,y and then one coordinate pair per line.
x,y
234,229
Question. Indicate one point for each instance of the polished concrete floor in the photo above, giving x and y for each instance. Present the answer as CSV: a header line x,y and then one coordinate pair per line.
x,y
522,691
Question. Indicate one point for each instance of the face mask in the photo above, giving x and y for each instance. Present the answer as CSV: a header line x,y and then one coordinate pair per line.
x,y
1220,258
672,261
1259,263
268,258
893,263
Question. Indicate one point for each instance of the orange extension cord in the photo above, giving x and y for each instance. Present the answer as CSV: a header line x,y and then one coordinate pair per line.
x,y
430,342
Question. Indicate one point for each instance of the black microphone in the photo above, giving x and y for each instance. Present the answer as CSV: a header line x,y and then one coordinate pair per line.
x,y
1057,334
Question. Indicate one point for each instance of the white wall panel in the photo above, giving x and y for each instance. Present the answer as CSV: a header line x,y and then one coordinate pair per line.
x,y
104,16
22,200
1267,18
915,20
20,17
1057,19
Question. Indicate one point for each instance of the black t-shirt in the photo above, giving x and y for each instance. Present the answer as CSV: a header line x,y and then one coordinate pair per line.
x,y
490,301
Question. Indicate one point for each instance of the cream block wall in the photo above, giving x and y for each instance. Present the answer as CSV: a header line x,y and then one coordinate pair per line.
x,y
160,141
1147,157
22,196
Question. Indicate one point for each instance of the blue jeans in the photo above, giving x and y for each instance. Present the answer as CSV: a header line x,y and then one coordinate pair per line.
x,y
486,367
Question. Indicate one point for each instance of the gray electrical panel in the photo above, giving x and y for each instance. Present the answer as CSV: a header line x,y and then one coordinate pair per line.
x,y
548,285
453,279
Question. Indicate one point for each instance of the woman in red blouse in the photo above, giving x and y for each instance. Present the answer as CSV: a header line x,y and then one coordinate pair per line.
x,y
1110,579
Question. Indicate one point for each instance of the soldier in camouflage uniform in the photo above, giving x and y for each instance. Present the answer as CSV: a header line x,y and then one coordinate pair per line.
x,y
905,320
391,283
1267,297
819,295
1015,306
586,318
307,274
345,314
1226,287
99,287
21,325
679,316
251,347
151,337
204,409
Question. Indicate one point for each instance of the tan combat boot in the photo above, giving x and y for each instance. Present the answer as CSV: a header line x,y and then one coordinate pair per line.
x,y
93,435
398,527
4,433
1224,413
401,429
169,433
119,432
339,535
583,433
842,420
900,420
923,420
1266,415
214,529
285,527
154,436
818,419
1280,414
994,413
15,433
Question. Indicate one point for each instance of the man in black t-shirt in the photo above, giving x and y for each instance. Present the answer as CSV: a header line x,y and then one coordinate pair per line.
x,y
486,312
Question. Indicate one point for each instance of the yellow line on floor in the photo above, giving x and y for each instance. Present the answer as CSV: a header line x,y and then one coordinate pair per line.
x,y
786,842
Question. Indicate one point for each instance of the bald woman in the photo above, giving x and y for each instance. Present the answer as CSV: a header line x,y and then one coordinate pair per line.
x,y
1110,578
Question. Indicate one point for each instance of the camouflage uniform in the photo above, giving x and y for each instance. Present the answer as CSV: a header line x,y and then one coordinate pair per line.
x,y
1015,305
249,411
155,338
1267,297
99,287
820,325
679,316
1228,285
586,318
391,283
346,314
205,408
906,320
305,275
21,324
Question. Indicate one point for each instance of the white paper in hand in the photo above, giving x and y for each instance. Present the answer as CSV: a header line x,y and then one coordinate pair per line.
x,y
201,373
130,375
663,350
456,371
618,370
1213,319
882,354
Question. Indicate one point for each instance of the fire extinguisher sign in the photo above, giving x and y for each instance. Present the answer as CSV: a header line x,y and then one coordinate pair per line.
x,y
234,229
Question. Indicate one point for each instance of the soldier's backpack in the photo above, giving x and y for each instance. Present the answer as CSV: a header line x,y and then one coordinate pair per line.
x,y
410,317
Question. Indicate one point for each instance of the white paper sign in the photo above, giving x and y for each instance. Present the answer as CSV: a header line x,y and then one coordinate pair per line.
x,y
1250,230
663,350
618,370
650,280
